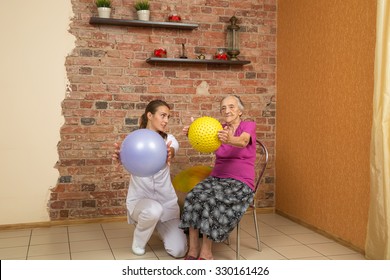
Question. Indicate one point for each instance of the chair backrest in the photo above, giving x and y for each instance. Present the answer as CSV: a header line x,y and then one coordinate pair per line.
x,y
261,162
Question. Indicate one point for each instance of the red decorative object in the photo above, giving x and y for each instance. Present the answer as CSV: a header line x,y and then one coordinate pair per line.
x,y
221,55
174,17
160,52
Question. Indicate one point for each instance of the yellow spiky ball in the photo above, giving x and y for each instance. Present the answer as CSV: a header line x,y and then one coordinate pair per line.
x,y
202,134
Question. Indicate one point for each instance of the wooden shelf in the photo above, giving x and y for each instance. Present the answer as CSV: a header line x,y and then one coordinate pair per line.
x,y
196,61
175,25
141,23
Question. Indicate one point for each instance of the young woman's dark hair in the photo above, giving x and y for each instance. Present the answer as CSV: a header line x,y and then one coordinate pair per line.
x,y
152,108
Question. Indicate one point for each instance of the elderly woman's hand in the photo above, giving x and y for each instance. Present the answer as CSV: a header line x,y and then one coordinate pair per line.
x,y
187,127
225,135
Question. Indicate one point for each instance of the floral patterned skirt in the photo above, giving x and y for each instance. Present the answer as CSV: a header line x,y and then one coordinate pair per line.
x,y
215,206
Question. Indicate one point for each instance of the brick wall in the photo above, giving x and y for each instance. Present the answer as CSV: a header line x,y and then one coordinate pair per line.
x,y
110,85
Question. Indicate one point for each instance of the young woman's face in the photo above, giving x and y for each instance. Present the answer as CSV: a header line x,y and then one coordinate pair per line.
x,y
159,120
230,110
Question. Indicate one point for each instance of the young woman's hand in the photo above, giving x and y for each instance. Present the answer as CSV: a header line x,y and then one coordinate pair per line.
x,y
170,152
116,155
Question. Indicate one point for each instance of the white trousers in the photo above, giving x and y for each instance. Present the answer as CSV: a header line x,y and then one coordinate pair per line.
x,y
147,215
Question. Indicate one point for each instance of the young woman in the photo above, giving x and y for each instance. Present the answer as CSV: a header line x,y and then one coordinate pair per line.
x,y
215,205
151,201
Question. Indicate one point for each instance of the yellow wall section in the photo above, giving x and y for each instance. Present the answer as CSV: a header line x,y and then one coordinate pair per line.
x,y
324,112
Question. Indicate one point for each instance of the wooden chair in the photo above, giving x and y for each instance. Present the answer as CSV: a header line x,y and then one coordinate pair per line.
x,y
261,164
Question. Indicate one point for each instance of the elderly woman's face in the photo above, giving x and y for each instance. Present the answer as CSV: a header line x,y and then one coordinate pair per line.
x,y
230,110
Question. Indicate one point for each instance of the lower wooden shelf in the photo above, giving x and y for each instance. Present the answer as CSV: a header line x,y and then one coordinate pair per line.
x,y
196,61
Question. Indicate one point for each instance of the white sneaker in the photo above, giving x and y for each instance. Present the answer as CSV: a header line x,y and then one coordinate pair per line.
x,y
138,250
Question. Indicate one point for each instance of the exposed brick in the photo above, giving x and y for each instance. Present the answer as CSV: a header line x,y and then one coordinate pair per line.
x,y
88,203
88,187
101,105
85,70
250,75
118,185
65,179
112,83
57,205
64,213
88,121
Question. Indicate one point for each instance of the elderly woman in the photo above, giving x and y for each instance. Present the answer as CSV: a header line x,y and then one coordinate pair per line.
x,y
215,205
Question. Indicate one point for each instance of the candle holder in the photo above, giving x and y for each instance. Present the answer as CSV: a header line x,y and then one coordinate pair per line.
x,y
233,48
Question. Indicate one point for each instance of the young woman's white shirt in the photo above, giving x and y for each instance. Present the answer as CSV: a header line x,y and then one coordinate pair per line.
x,y
157,187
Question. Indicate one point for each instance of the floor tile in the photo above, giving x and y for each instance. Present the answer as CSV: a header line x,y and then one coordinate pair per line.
x,y
331,249
15,233
245,243
355,256
89,245
51,257
49,238
124,242
50,230
86,235
265,254
274,220
48,249
310,238
224,255
117,233
159,250
85,227
293,229
93,255
13,253
297,251
222,246
127,254
14,242
318,258
279,240
154,239
266,230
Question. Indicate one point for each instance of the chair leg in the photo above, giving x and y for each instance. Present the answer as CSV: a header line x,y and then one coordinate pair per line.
x,y
257,230
238,242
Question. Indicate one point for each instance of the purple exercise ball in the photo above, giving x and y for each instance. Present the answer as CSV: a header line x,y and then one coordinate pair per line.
x,y
143,153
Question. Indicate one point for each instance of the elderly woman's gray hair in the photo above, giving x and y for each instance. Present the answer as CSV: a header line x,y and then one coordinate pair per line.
x,y
239,101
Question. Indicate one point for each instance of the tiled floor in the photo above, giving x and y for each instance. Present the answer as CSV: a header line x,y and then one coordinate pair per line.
x,y
281,239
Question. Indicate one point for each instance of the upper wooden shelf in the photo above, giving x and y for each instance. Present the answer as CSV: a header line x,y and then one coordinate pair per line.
x,y
141,23
198,61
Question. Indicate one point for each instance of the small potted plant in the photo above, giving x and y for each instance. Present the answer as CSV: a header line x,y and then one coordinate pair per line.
x,y
142,7
104,8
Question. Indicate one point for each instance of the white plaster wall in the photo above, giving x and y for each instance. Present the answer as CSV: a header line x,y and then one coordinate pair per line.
x,y
34,44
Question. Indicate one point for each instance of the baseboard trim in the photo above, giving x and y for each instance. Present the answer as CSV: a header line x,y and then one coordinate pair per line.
x,y
63,223
89,221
